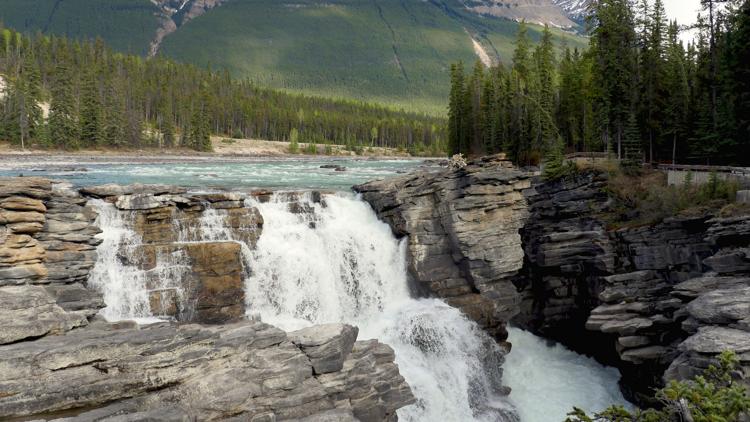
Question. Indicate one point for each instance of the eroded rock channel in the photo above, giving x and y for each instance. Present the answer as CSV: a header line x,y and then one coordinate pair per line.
x,y
658,301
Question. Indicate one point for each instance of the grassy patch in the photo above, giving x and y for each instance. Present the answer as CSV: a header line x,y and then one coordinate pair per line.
x,y
647,198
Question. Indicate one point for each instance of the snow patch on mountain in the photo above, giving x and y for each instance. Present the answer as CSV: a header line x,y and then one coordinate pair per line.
x,y
575,9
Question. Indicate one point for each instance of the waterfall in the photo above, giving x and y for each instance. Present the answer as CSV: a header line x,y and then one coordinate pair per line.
x,y
334,261
127,288
212,225
330,259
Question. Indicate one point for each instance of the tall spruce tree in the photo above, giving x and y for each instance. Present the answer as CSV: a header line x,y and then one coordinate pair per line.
x,y
63,118
677,104
652,76
456,110
91,110
613,48
545,71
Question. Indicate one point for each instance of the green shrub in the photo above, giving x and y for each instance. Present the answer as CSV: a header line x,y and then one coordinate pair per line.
x,y
294,141
713,396
556,166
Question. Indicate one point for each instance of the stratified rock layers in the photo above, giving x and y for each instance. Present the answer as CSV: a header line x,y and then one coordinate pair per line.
x,y
58,360
245,371
666,297
463,228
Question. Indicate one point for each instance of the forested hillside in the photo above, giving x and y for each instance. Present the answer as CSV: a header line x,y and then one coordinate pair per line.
x,y
637,91
99,98
394,52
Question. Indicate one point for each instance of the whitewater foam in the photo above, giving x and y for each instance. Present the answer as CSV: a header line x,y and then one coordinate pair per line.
x,y
332,260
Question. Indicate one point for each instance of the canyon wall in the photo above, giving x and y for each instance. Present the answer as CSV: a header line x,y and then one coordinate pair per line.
x,y
463,227
657,301
59,359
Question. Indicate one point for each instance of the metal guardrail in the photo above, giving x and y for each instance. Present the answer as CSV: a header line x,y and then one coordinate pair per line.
x,y
741,171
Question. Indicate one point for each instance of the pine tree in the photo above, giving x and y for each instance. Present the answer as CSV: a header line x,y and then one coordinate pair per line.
x,y
456,110
545,70
475,144
652,76
200,132
631,145
676,84
113,115
91,110
613,46
63,119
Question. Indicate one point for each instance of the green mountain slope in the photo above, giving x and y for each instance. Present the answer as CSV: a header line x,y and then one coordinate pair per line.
x,y
126,25
395,52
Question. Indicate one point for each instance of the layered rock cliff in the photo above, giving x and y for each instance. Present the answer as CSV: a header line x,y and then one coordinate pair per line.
x,y
657,301
60,360
463,228
628,296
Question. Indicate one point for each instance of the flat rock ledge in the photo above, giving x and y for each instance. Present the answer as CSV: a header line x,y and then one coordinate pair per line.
x,y
248,371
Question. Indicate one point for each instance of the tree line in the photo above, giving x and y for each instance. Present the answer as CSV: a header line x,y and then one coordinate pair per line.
x,y
100,98
637,92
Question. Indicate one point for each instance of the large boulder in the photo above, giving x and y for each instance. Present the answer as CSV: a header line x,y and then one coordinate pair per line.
x,y
326,345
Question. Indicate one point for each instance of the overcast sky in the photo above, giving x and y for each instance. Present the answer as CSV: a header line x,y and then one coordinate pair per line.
x,y
685,11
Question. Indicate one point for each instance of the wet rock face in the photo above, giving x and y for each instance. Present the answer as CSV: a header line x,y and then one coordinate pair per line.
x,y
566,252
211,287
196,239
463,228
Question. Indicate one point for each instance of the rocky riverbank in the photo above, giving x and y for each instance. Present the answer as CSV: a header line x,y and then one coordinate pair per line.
x,y
658,301
60,360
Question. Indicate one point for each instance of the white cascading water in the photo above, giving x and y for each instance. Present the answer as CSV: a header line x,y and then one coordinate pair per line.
x,y
566,379
125,286
337,262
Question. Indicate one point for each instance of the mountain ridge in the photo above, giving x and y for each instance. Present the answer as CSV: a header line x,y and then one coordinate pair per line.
x,y
394,52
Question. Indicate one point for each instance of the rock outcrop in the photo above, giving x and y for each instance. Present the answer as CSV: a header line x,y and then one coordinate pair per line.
x,y
628,296
463,228
59,360
175,13
659,301
248,371
47,249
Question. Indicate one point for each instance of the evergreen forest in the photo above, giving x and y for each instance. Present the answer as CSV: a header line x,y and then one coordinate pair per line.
x,y
637,92
72,94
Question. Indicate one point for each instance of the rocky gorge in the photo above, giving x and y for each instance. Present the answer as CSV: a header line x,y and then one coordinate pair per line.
x,y
60,360
658,301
